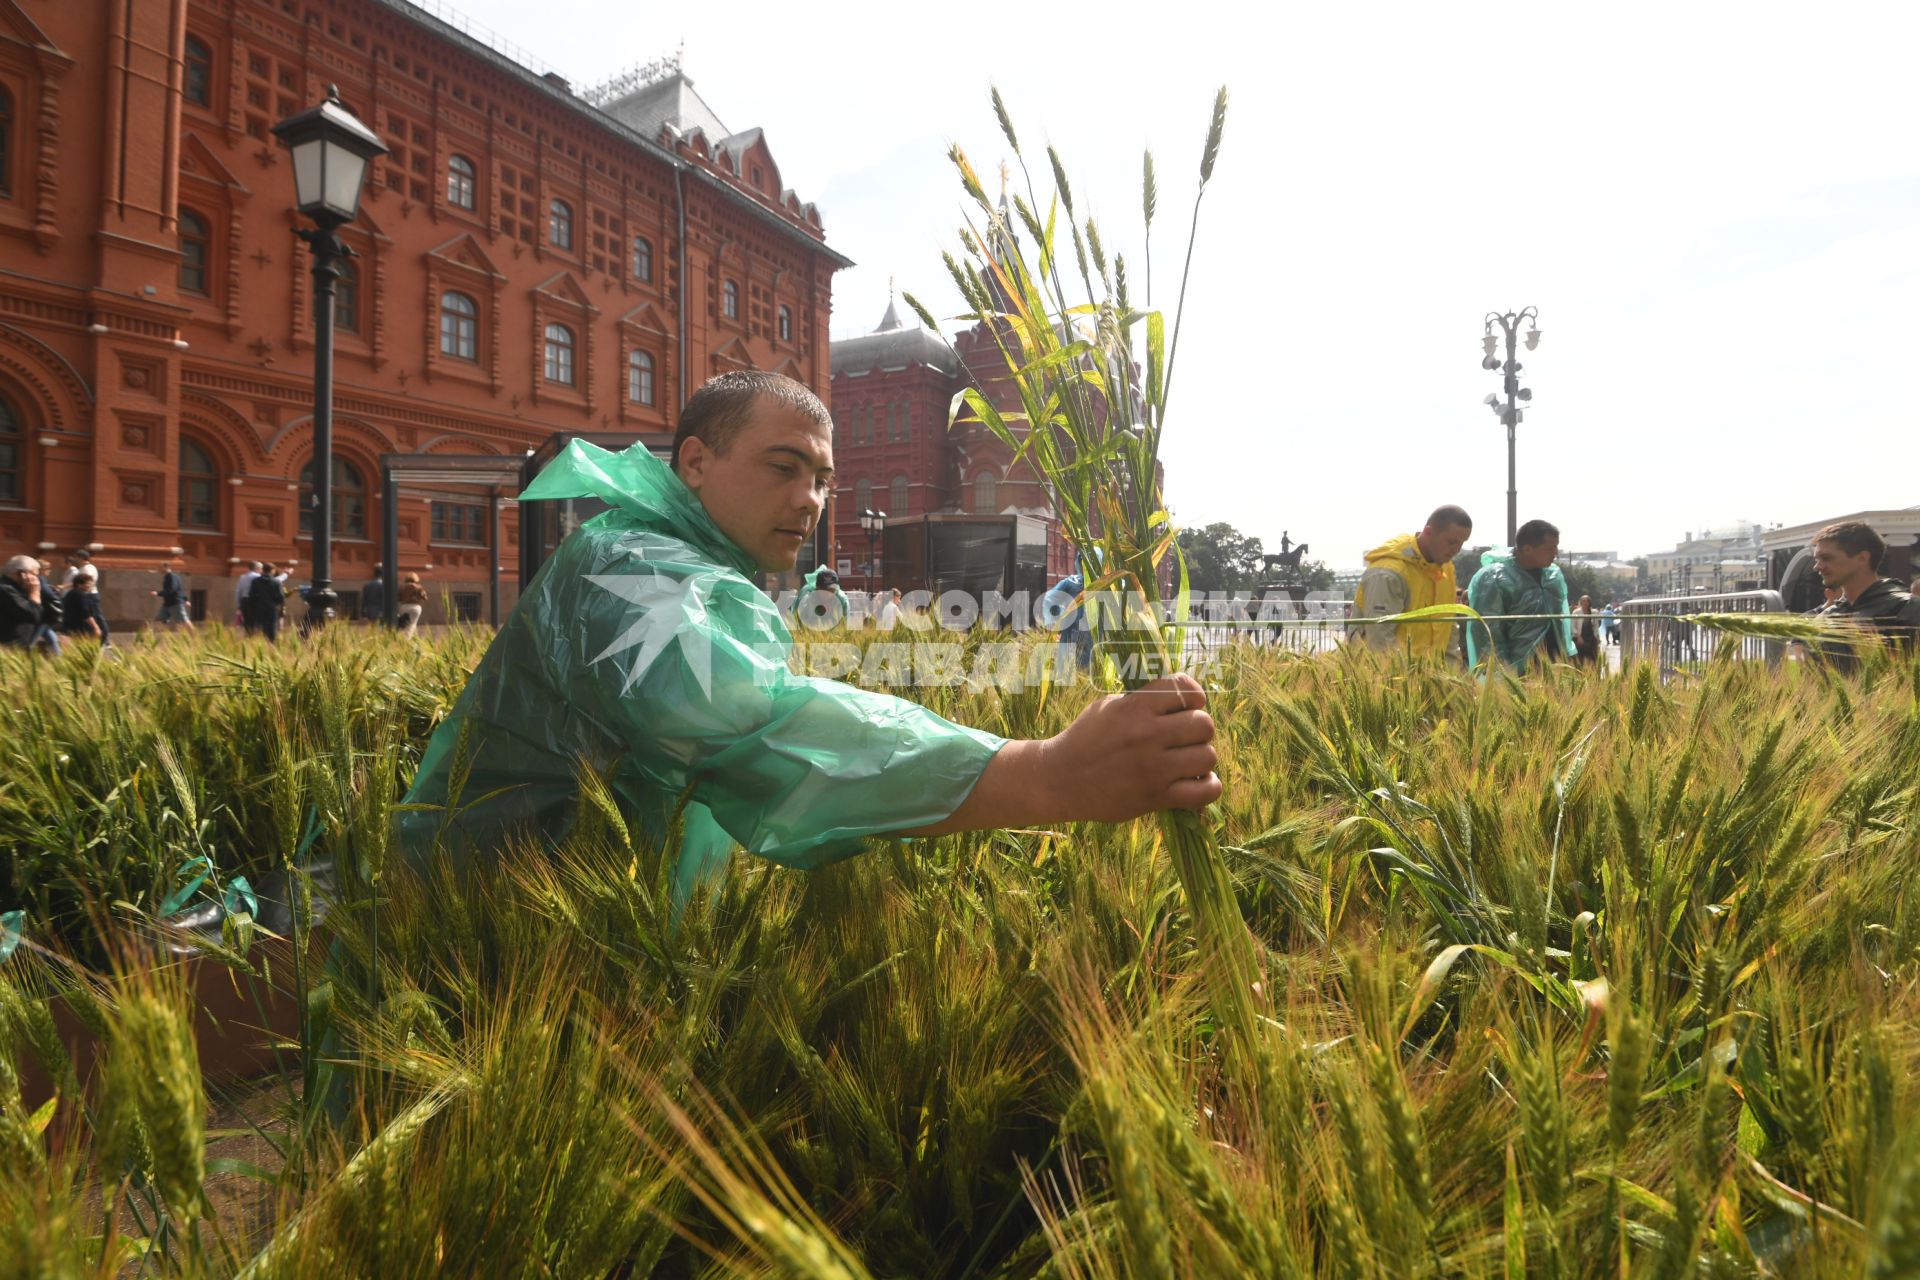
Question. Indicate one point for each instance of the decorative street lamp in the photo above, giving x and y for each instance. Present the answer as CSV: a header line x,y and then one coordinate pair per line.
x,y
1509,412
331,149
874,522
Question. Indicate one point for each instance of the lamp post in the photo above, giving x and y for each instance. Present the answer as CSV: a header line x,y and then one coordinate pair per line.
x,y
331,149
874,522
1516,395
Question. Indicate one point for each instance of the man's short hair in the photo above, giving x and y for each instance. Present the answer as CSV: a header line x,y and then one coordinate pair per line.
x,y
19,564
1853,537
1450,517
79,553
1535,532
724,404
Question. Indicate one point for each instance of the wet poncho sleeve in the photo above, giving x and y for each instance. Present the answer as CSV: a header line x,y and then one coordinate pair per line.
x,y
685,666
657,649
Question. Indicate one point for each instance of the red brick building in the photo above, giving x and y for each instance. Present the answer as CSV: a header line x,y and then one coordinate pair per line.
x,y
532,260
892,391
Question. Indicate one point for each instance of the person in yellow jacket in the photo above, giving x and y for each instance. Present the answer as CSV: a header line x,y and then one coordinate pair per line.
x,y
1411,572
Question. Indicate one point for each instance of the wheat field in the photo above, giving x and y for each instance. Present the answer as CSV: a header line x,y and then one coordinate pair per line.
x,y
1581,975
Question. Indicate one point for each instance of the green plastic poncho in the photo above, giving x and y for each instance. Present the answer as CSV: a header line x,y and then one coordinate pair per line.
x,y
838,612
1500,586
643,650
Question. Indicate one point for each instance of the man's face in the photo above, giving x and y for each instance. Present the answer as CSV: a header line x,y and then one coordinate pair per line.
x,y
1538,556
768,490
1441,544
1835,566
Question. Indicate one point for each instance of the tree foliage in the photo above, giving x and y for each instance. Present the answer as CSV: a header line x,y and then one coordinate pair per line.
x,y
1221,558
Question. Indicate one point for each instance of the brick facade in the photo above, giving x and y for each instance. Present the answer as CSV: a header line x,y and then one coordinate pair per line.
x,y
892,391
156,309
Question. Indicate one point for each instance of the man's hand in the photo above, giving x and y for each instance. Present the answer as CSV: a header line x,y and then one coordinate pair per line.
x,y
1135,753
1126,755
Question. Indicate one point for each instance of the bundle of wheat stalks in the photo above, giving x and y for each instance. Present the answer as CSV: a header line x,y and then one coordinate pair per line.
x,y
1576,975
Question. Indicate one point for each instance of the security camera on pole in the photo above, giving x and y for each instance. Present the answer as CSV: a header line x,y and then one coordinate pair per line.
x,y
1509,411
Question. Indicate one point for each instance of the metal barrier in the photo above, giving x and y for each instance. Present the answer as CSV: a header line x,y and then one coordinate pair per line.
x,y
1650,628
1312,626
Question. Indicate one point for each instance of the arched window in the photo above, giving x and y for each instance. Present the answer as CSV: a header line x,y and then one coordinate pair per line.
x,y
985,499
560,354
643,260
459,326
640,377
199,77
862,496
560,225
194,242
346,298
730,300
786,324
349,495
6,142
460,182
897,500
13,486
199,488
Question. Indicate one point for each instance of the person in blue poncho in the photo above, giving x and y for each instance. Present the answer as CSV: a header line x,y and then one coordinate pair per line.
x,y
643,649
1524,595
1065,612
821,602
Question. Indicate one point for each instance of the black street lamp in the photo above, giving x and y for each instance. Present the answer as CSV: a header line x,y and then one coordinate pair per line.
x,y
874,522
1510,412
331,149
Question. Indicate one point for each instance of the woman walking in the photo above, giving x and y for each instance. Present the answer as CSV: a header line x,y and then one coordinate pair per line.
x,y
408,603
1586,633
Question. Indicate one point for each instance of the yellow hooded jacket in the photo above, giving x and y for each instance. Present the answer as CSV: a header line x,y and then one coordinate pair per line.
x,y
1399,580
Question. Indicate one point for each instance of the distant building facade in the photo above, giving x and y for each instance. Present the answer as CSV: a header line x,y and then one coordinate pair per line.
x,y
893,389
1716,560
531,260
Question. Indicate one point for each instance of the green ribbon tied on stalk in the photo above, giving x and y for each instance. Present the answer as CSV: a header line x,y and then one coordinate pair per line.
x,y
238,899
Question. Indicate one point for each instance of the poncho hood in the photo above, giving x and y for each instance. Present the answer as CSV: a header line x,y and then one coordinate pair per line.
x,y
636,483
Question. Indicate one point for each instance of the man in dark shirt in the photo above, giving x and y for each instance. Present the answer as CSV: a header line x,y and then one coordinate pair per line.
x,y
1847,557
24,609
373,597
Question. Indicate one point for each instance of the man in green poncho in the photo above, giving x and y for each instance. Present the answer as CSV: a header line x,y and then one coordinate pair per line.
x,y
644,650
1524,595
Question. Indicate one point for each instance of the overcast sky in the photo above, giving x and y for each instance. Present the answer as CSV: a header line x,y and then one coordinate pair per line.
x,y
1716,209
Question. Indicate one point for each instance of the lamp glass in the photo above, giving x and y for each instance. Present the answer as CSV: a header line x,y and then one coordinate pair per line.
x,y
342,172
307,164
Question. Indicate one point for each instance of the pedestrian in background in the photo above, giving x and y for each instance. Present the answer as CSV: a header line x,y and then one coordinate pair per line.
x,y
77,559
266,598
1586,634
25,612
888,616
373,597
410,600
173,597
80,612
241,586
